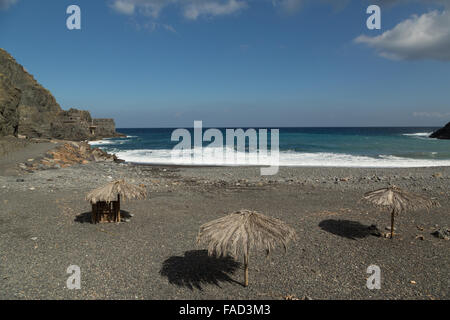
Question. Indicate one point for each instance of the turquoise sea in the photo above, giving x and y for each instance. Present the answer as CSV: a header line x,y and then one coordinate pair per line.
x,y
340,147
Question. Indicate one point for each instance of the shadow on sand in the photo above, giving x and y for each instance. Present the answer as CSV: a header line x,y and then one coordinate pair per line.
x,y
196,268
348,229
85,217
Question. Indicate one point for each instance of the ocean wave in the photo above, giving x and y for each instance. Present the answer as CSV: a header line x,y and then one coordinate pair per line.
x,y
101,142
108,142
418,134
286,158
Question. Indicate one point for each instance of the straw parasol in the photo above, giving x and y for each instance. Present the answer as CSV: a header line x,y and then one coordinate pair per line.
x,y
106,199
398,201
237,233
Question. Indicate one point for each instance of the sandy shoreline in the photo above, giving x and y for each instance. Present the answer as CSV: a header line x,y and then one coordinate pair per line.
x,y
154,255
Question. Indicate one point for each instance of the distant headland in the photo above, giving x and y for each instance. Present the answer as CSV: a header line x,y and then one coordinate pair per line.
x,y
443,133
29,110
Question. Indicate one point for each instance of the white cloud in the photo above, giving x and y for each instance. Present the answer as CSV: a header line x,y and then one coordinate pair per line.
x,y
150,8
125,7
191,9
420,37
152,26
194,9
5,4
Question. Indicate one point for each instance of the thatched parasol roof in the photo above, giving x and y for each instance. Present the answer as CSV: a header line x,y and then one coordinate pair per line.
x,y
398,200
110,192
238,232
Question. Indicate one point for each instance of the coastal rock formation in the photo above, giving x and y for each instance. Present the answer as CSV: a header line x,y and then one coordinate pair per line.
x,y
38,113
72,123
37,107
9,107
76,152
68,154
443,133
105,128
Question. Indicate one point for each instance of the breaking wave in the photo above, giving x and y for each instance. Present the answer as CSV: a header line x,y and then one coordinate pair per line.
x,y
286,158
418,134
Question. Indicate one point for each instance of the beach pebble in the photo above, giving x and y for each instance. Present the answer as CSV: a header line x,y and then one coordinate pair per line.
x,y
437,175
442,233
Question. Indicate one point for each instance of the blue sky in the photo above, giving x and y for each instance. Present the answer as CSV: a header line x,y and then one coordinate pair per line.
x,y
153,63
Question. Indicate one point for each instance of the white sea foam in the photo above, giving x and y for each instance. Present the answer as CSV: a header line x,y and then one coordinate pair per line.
x,y
108,142
286,158
101,142
418,134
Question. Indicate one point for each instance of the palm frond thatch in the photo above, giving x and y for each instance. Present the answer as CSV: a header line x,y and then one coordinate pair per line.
x,y
238,232
235,234
398,200
120,188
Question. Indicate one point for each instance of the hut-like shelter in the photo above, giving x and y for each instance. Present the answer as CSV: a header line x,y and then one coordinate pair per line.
x,y
105,200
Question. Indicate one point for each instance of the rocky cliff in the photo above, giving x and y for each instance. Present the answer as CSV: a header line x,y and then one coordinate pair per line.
x,y
104,127
443,133
37,113
9,107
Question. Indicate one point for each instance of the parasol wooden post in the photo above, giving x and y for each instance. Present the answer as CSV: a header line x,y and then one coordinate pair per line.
x,y
118,208
93,214
392,224
246,270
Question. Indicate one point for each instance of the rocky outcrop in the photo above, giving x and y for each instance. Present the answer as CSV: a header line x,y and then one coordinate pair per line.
x,y
72,125
105,128
9,107
73,153
38,113
38,108
68,154
443,133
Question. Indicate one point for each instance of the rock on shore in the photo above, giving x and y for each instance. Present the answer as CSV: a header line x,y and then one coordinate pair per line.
x,y
443,133
66,155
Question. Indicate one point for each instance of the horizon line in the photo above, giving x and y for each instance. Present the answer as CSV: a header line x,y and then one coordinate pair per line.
x,y
279,127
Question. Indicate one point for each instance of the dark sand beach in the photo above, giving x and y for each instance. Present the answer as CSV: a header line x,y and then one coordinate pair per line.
x,y
14,151
44,229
